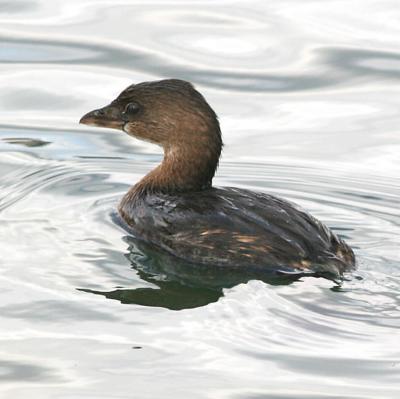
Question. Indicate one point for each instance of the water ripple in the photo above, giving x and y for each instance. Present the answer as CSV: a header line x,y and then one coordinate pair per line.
x,y
307,96
336,65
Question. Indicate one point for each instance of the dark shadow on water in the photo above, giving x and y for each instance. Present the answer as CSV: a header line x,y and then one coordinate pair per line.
x,y
15,371
178,284
26,141
169,295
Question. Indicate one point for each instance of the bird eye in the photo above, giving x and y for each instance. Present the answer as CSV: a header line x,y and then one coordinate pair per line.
x,y
132,108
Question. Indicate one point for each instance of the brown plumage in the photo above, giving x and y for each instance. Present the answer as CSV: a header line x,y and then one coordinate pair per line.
x,y
176,208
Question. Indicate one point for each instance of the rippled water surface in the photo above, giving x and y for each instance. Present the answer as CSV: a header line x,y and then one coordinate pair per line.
x,y
308,97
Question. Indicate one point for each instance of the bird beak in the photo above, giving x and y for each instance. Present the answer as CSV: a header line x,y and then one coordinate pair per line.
x,y
108,116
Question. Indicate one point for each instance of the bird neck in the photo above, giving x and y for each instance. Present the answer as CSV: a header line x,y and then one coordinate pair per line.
x,y
186,167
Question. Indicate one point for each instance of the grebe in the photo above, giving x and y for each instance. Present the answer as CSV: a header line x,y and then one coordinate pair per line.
x,y
176,208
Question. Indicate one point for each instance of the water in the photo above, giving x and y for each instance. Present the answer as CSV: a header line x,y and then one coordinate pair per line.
x,y
307,94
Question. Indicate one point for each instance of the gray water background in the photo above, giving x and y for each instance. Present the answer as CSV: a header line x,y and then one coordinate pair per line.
x,y
308,97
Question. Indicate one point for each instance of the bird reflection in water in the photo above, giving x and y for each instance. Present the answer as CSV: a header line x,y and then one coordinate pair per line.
x,y
178,284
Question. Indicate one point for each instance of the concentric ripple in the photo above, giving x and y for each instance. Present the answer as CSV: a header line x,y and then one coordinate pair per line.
x,y
58,215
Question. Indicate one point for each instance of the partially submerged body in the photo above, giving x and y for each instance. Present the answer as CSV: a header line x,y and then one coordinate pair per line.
x,y
238,229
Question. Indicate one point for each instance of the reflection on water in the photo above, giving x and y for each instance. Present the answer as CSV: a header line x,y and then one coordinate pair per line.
x,y
20,372
28,142
331,65
180,285
307,97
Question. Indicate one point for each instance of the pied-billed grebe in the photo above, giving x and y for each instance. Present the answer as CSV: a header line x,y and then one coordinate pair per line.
x,y
176,208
